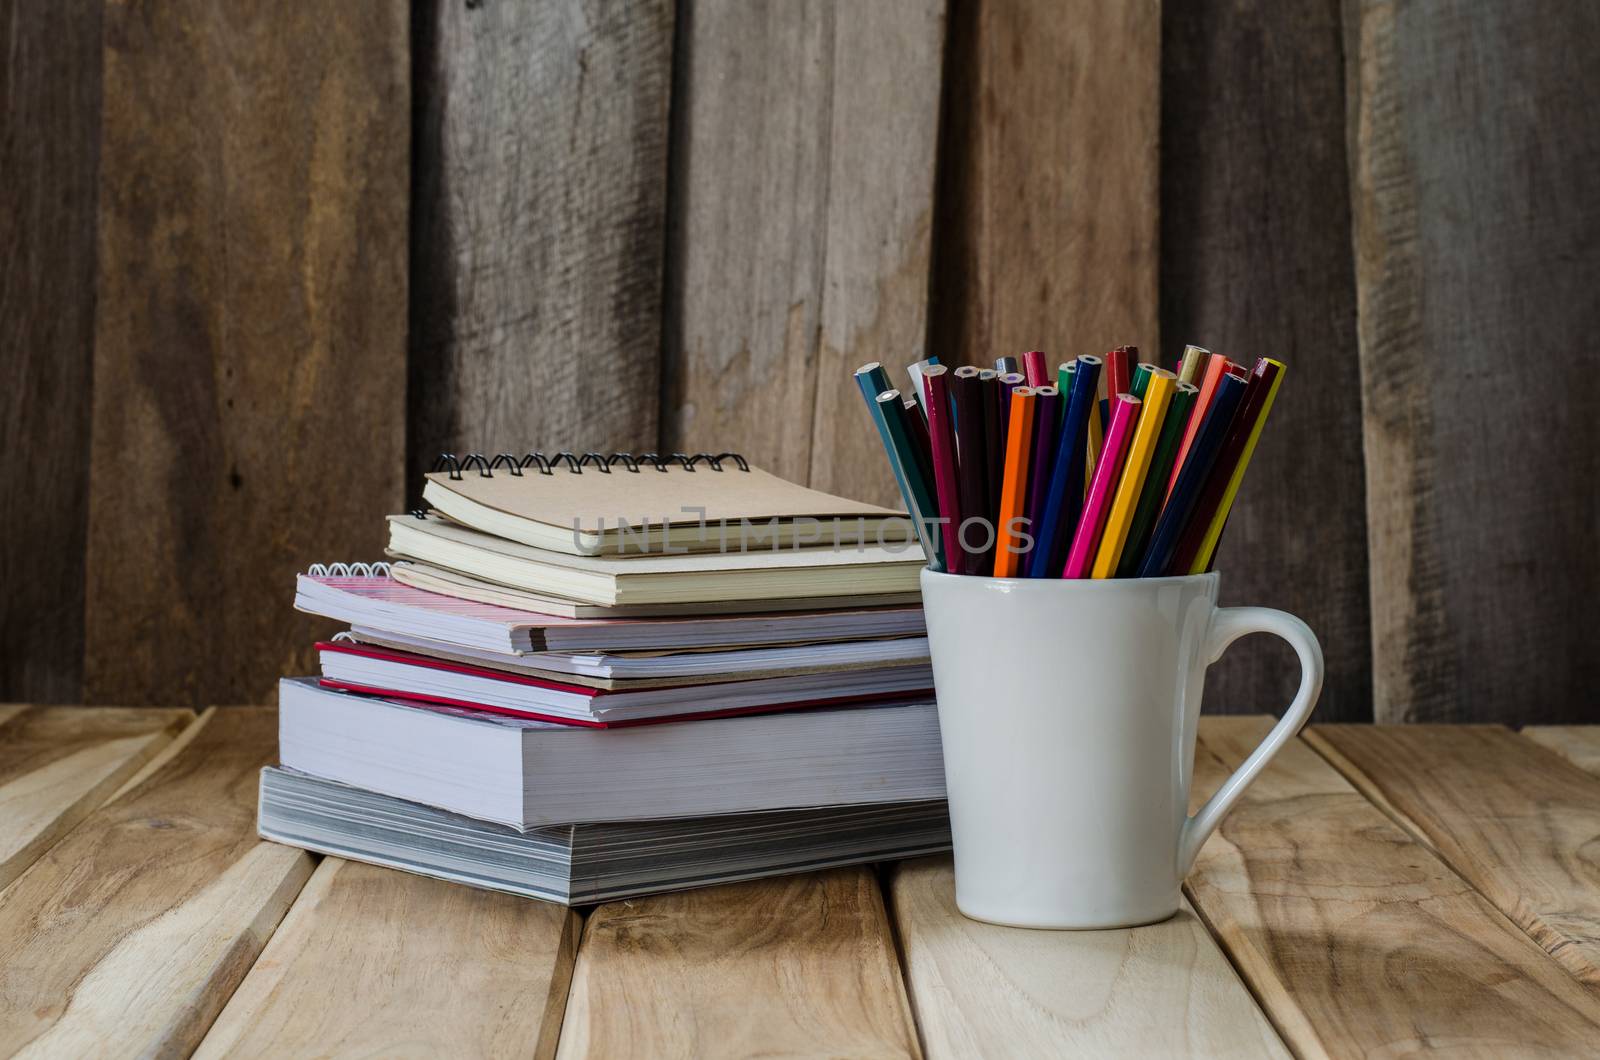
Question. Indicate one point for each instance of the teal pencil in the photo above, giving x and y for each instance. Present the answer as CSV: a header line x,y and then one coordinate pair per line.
x,y
897,421
899,454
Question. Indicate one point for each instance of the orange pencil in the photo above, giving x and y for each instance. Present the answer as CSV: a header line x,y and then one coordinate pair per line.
x,y
1217,366
1014,490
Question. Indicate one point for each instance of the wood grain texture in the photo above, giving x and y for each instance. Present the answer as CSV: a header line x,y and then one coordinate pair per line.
x,y
1473,169
1256,262
1519,823
1578,744
133,930
374,962
803,965
249,372
1357,939
58,763
1048,187
982,990
538,226
802,174
882,152
49,152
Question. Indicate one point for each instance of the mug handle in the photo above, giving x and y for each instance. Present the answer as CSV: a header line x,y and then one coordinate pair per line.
x,y
1227,626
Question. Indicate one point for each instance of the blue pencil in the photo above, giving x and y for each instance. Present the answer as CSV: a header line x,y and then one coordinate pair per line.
x,y
1192,477
1064,502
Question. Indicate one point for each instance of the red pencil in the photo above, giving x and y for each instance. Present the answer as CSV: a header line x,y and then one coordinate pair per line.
x,y
1033,367
1217,367
942,438
1119,373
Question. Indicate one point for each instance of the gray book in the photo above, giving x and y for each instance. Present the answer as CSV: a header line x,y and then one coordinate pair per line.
x,y
579,864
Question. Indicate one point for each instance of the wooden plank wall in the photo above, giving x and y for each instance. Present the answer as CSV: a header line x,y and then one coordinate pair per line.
x,y
1255,261
49,149
264,265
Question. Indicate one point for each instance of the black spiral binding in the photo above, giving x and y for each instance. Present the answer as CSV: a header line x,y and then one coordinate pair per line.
x,y
601,462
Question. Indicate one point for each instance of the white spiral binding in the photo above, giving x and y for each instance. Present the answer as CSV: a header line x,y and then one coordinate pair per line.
x,y
348,570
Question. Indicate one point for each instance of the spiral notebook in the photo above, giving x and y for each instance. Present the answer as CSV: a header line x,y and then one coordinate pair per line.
x,y
699,503
627,579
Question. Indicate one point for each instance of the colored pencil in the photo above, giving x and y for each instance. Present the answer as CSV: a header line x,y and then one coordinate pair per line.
x,y
918,491
1118,372
1199,539
1157,394
1141,379
1097,414
946,465
1033,367
1098,503
1155,480
1064,500
918,371
1008,382
1013,494
1006,365
901,461
1191,363
1216,367
876,378
1174,518
1046,431
922,446
972,449
994,439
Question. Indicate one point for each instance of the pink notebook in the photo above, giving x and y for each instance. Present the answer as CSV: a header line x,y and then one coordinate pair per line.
x,y
365,595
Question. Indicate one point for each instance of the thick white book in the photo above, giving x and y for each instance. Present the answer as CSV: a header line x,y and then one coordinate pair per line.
x,y
528,774
576,864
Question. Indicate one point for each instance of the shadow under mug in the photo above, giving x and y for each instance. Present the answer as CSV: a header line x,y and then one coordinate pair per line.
x,y
1067,710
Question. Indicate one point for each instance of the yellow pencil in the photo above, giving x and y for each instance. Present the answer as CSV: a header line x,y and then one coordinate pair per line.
x,y
1194,359
1208,544
1157,395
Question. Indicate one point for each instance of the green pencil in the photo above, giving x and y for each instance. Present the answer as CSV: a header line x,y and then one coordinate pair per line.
x,y
1141,379
1155,482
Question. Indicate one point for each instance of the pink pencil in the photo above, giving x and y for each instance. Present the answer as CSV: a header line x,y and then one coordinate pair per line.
x,y
1124,413
942,436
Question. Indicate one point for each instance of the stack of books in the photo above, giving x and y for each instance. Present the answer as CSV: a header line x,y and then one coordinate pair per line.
x,y
582,679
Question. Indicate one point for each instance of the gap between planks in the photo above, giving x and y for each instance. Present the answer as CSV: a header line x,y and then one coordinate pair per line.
x,y
137,925
1355,937
1513,818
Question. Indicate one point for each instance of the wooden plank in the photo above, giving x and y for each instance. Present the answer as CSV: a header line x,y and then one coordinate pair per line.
x,y
803,158
1578,744
1356,938
49,153
1516,821
1256,262
135,928
1474,227
249,365
538,226
374,962
982,990
882,152
799,965
59,763
1048,200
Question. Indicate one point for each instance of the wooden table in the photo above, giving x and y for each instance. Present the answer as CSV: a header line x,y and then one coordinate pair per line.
x,y
1380,891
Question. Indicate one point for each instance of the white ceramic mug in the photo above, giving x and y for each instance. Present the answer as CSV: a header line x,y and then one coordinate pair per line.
x,y
1068,711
